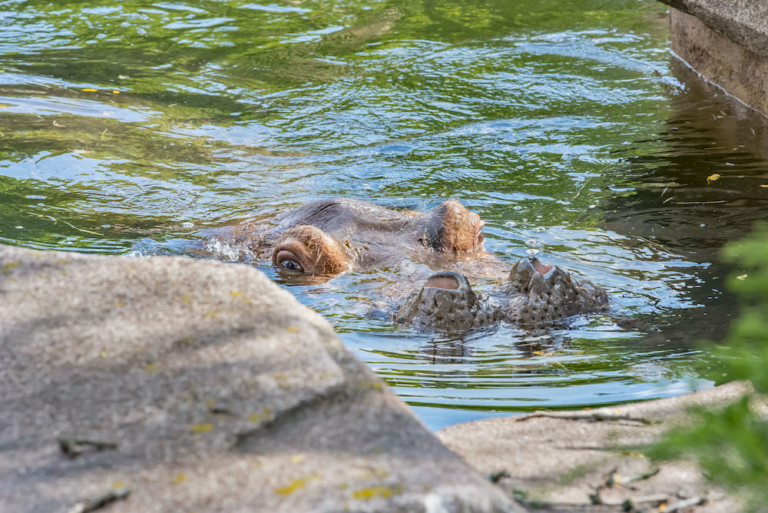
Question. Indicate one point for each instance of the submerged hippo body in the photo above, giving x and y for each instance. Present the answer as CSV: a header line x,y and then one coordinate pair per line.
x,y
327,237
532,295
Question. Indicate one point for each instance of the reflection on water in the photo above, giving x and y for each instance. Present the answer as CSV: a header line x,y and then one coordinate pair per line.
x,y
131,129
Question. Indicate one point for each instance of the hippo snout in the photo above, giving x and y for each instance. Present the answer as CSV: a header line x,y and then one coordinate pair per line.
x,y
532,295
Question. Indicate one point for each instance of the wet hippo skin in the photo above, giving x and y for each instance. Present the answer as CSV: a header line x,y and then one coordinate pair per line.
x,y
532,294
328,237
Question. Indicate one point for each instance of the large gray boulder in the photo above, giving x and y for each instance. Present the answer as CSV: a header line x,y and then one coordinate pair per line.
x,y
169,384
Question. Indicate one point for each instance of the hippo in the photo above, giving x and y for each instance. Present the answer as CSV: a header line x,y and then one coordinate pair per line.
x,y
328,237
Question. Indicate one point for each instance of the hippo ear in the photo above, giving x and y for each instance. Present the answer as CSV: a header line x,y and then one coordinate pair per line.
x,y
451,227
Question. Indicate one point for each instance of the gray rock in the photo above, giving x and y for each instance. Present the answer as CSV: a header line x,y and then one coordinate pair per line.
x,y
198,386
744,22
557,460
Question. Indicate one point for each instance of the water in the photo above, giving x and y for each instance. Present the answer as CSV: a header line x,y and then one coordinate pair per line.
x,y
130,128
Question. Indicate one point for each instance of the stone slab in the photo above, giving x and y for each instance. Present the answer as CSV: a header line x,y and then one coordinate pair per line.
x,y
738,69
209,389
556,460
745,22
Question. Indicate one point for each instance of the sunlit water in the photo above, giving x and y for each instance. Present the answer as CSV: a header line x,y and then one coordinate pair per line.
x,y
130,128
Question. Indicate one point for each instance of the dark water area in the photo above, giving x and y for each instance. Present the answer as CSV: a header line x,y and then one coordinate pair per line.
x,y
130,128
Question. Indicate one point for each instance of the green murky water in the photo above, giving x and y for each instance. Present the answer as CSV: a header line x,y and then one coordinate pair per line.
x,y
128,127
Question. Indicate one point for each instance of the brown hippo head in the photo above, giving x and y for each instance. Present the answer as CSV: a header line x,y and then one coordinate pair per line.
x,y
328,237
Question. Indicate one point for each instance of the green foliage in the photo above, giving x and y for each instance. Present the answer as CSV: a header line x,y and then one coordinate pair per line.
x,y
746,352
731,444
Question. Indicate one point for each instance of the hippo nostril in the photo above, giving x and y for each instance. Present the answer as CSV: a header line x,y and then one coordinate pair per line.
x,y
442,282
541,268
449,280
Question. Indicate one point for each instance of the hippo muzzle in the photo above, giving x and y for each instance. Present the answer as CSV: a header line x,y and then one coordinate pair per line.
x,y
533,294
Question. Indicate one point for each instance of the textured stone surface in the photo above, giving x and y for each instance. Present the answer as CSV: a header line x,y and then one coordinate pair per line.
x,y
744,22
558,459
737,69
219,391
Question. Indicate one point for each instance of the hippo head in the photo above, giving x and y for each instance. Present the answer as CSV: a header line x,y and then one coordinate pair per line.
x,y
329,237
533,294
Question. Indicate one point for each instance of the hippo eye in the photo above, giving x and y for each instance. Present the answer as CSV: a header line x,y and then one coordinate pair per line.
x,y
291,265
289,259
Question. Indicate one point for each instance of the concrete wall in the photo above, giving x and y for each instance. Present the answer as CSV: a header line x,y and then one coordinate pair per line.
x,y
727,42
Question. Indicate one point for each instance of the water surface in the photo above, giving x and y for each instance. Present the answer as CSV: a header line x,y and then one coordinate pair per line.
x,y
128,128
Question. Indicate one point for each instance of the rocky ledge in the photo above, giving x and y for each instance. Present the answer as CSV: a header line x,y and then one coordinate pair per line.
x,y
171,384
593,460
726,41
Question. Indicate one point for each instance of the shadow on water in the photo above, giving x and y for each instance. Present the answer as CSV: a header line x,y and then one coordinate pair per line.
x,y
706,186
133,128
